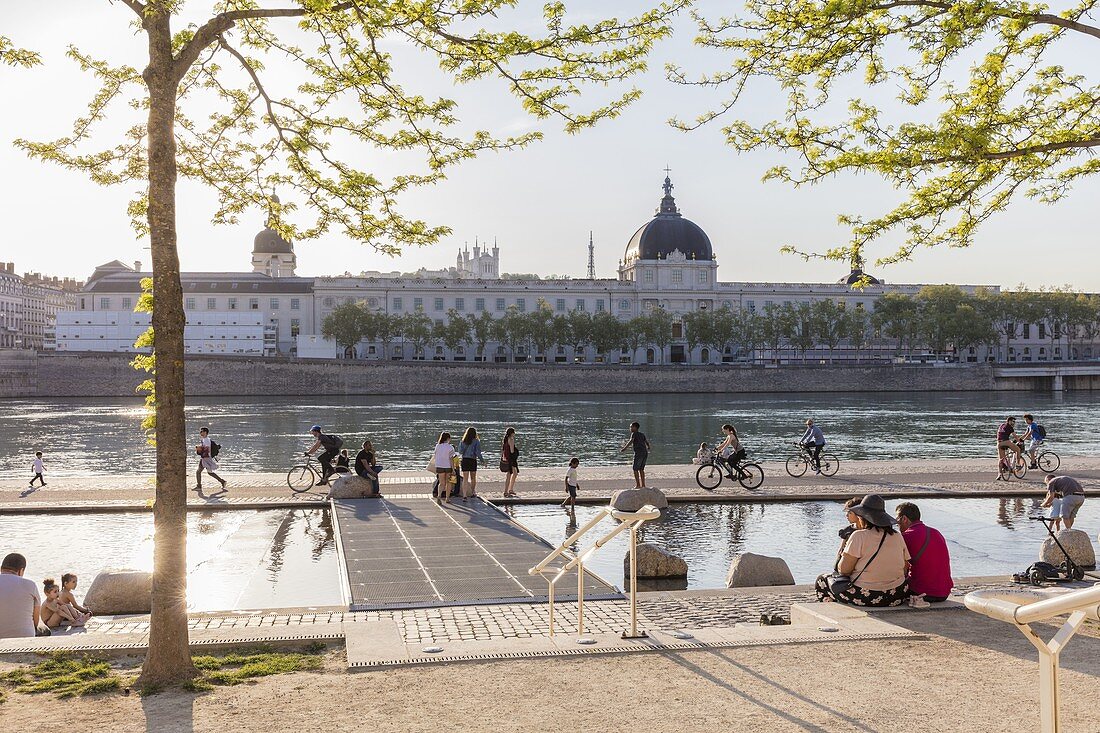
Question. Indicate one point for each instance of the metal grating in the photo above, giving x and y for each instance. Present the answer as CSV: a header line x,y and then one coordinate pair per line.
x,y
407,551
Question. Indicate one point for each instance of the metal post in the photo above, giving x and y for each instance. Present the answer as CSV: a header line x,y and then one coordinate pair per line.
x,y
580,599
1049,654
551,609
633,633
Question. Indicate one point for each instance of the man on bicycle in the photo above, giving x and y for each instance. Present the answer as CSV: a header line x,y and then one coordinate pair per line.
x,y
1034,436
1008,440
814,440
331,445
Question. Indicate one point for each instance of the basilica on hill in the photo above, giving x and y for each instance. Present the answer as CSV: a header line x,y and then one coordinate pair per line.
x,y
668,263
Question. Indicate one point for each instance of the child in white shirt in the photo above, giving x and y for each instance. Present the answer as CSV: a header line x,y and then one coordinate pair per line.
x,y
701,455
39,468
571,482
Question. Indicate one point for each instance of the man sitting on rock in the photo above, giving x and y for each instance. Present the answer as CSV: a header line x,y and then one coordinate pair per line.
x,y
1067,495
930,562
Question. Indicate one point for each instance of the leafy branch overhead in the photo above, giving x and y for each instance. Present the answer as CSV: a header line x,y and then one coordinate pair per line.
x,y
311,124
984,108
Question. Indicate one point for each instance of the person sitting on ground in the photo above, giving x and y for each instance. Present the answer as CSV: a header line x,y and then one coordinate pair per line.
x,y
366,465
1065,494
930,562
846,531
873,565
54,612
68,585
20,604
343,460
701,455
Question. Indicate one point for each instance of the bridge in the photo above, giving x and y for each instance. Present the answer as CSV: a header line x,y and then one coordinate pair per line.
x,y
1055,376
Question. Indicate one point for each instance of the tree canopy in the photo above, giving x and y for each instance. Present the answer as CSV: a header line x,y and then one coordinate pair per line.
x,y
992,99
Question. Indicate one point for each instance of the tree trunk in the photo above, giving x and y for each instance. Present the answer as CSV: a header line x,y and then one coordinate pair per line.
x,y
169,658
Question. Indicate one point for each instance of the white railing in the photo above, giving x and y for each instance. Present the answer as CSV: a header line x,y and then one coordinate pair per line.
x,y
631,521
1024,607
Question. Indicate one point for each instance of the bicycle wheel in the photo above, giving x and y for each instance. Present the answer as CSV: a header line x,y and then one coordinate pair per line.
x,y
1003,471
709,476
1019,467
1049,461
751,475
829,464
300,478
796,466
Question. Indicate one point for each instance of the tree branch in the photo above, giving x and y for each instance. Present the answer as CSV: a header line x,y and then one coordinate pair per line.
x,y
1091,142
136,6
1038,18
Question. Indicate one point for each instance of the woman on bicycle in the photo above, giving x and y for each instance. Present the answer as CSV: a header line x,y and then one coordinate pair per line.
x,y
730,449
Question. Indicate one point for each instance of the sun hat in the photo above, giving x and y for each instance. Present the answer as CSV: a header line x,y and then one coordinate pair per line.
x,y
873,511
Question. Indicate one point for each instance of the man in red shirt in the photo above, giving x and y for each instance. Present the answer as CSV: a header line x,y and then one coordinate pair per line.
x,y
930,567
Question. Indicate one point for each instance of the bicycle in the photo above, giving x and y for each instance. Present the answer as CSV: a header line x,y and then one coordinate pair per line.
x,y
710,474
302,477
1012,464
1046,461
798,464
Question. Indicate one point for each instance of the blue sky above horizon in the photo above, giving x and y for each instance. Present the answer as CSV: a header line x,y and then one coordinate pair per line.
x,y
539,203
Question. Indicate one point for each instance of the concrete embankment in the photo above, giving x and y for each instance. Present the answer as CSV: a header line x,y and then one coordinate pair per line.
x,y
25,374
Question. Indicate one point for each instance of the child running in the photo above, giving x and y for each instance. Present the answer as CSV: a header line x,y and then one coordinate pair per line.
x,y
571,482
39,468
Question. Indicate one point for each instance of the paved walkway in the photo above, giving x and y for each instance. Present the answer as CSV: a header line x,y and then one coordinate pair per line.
x,y
909,478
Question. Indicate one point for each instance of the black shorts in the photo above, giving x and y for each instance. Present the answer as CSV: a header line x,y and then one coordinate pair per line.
x,y
571,490
469,464
639,461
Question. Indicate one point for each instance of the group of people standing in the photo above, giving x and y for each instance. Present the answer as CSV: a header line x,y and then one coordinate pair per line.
x,y
456,469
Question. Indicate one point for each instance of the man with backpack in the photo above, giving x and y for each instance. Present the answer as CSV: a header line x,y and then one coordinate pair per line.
x,y
331,445
1034,435
208,451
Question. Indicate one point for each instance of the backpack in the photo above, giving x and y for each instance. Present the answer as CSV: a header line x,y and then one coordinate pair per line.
x,y
1039,431
332,442
215,449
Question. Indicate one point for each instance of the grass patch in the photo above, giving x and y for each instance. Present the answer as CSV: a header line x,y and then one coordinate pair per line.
x,y
65,675
243,665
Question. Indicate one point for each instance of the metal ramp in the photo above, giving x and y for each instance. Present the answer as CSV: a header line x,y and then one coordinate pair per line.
x,y
407,551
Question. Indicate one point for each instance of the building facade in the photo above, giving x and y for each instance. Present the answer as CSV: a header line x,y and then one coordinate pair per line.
x,y
29,305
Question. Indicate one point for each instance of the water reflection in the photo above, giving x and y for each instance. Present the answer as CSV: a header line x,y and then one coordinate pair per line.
x,y
97,436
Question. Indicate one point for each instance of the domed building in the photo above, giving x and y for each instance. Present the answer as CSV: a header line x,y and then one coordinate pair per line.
x,y
272,255
669,251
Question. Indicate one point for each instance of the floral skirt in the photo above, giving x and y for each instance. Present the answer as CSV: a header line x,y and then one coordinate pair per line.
x,y
857,596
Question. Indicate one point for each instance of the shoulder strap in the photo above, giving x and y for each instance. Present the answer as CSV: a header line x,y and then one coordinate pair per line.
x,y
880,544
927,539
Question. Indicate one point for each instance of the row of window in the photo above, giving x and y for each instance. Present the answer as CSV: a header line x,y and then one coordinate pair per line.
x,y
211,304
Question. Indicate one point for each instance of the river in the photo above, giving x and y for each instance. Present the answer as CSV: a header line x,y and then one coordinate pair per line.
x,y
104,437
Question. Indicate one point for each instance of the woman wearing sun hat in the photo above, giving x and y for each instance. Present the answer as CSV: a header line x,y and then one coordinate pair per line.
x,y
873,564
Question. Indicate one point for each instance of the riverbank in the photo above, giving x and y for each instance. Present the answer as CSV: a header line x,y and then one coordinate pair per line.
x,y
942,478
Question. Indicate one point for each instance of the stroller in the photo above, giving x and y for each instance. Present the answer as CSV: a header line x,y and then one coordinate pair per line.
x,y
1044,572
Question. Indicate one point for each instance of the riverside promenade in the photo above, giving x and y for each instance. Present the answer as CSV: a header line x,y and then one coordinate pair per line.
x,y
925,478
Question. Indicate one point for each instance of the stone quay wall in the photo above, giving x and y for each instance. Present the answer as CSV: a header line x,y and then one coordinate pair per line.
x,y
110,375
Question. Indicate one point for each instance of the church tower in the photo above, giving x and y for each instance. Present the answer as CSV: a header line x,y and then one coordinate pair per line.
x,y
272,255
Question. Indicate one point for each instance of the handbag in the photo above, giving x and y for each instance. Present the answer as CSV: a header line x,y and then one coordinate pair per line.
x,y
839,584
431,465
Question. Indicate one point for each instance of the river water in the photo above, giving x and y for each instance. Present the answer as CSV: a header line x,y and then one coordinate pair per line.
x,y
103,436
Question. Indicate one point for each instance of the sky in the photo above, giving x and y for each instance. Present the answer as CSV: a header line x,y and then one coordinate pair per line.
x,y
539,204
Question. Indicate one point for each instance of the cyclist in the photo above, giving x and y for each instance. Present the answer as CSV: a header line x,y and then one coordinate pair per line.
x,y
331,444
1007,439
814,440
730,451
1034,435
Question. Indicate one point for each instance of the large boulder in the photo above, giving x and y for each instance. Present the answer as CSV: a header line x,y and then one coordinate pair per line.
x,y
351,486
1077,543
116,592
632,500
748,570
656,562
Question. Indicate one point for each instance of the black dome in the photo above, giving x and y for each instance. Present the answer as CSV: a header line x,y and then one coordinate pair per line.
x,y
269,242
858,275
667,232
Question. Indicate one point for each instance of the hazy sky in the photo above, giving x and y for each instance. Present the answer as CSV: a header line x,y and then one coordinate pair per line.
x,y
539,203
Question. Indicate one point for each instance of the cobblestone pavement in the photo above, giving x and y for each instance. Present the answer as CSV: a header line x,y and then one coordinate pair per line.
x,y
912,478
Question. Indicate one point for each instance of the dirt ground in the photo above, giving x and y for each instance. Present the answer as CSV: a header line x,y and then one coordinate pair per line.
x,y
971,674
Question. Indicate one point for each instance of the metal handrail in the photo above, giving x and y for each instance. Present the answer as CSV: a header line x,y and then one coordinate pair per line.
x,y
627,521
1023,607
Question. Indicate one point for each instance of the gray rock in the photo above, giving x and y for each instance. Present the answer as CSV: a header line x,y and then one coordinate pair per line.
x,y
1077,543
115,592
748,570
632,500
351,486
656,562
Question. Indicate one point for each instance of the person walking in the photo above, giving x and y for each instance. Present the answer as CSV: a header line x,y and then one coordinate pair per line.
x,y
207,451
366,465
509,461
469,450
1065,493
444,452
641,446
930,561
814,439
571,485
331,444
38,467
